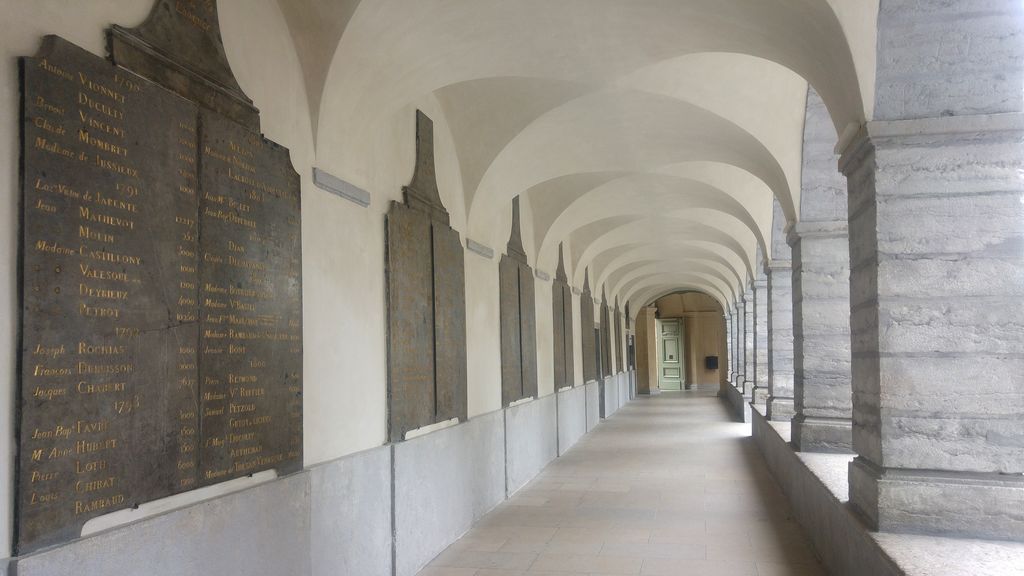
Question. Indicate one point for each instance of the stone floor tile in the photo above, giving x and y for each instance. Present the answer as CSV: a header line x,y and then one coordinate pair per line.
x,y
682,551
587,564
674,567
780,569
474,559
668,486
447,571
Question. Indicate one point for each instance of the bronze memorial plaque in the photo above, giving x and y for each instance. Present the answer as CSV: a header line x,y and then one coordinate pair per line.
x,y
161,342
250,302
426,299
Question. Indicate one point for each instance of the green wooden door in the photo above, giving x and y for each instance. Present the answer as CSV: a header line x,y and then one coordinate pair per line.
x,y
670,361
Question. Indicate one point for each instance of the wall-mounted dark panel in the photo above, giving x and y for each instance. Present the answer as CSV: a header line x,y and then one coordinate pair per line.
x,y
528,330
561,309
518,319
250,301
426,281
411,321
510,325
619,341
558,336
606,339
591,351
161,321
449,323
568,343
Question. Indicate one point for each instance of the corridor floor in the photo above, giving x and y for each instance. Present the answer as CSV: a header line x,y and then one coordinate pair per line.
x,y
669,485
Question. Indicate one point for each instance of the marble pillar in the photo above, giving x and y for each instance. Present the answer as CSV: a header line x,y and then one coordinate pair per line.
x,y
821,300
821,338
780,340
749,342
936,213
759,393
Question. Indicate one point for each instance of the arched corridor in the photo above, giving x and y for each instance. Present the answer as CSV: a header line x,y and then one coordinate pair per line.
x,y
669,485
334,287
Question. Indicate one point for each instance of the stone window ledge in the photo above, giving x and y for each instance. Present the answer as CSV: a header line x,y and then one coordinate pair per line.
x,y
845,543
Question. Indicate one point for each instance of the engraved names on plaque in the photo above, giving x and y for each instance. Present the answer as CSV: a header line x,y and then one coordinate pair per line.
x,y
161,327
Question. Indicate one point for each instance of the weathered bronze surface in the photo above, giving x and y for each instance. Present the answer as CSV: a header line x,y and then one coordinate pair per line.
x,y
179,46
619,342
449,324
630,356
606,338
517,319
426,303
161,323
109,331
528,330
510,327
591,359
411,321
250,300
561,299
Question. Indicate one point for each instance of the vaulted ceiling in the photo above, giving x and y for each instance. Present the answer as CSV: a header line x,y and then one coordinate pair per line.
x,y
650,137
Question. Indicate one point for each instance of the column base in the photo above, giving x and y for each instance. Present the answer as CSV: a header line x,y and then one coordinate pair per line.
x,y
759,395
960,504
831,435
780,409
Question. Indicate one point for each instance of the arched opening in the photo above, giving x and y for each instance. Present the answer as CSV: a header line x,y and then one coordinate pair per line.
x,y
680,343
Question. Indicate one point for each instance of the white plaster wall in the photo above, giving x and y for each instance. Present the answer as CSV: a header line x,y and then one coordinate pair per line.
x,y
483,345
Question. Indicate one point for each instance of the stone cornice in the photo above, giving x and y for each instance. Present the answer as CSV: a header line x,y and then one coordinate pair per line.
x,y
899,132
817,229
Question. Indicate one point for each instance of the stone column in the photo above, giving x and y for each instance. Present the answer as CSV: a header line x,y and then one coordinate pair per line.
x,y
738,346
749,342
759,393
821,338
821,294
936,202
728,344
780,340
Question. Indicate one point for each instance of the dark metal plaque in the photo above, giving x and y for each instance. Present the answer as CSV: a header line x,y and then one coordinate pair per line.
x,y
558,334
121,258
511,346
590,354
410,321
563,344
570,369
179,46
250,300
528,331
618,343
108,396
605,339
426,279
518,320
449,324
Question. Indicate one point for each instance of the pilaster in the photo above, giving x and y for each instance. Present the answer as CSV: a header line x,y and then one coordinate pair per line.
x,y
780,340
821,337
937,282
739,345
749,343
759,393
